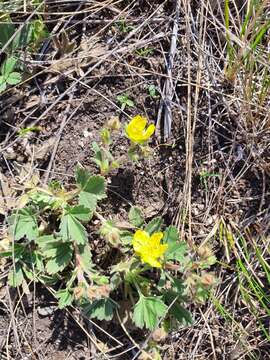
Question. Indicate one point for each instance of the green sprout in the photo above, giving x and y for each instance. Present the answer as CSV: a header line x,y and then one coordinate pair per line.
x,y
125,101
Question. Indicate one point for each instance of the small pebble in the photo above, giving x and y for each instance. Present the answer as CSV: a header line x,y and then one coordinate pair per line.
x,y
86,133
46,311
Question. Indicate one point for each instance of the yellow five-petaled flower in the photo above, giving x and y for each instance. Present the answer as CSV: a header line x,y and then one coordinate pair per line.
x,y
136,130
149,248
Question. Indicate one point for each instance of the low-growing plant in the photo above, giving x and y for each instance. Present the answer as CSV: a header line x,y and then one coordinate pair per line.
x,y
144,52
123,27
125,101
8,75
54,239
138,134
152,90
29,36
31,129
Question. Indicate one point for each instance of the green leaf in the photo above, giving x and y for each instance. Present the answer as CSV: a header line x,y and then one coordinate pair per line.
x,y
2,80
3,86
171,235
27,130
15,276
101,309
92,188
64,297
14,78
23,223
50,249
18,251
39,31
80,212
176,310
154,225
91,184
43,200
88,200
85,257
176,250
135,216
95,185
148,311
45,240
97,151
126,237
81,176
72,229
63,256
152,91
23,38
130,103
7,29
9,66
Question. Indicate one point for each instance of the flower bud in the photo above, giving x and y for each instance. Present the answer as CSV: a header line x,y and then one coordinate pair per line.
x,y
205,251
114,123
208,279
78,292
110,233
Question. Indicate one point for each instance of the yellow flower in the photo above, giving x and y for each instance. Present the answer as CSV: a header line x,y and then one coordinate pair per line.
x,y
149,248
136,130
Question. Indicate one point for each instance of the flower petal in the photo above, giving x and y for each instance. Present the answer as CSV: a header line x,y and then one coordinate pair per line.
x,y
140,239
135,129
149,131
151,261
138,122
156,237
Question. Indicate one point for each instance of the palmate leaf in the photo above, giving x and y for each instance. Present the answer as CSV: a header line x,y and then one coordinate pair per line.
x,y
101,309
85,257
64,297
154,225
92,188
7,29
176,250
135,216
91,184
148,311
63,256
23,223
71,227
80,212
58,253
15,276
176,310
14,78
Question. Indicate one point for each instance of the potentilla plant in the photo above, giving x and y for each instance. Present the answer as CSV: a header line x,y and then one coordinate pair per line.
x,y
138,134
53,239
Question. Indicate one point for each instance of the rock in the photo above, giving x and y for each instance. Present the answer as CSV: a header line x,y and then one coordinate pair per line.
x,y
46,310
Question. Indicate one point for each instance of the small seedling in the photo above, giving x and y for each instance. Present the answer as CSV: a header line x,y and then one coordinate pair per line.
x,y
29,36
144,52
152,91
204,176
104,159
125,101
123,27
8,75
25,131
